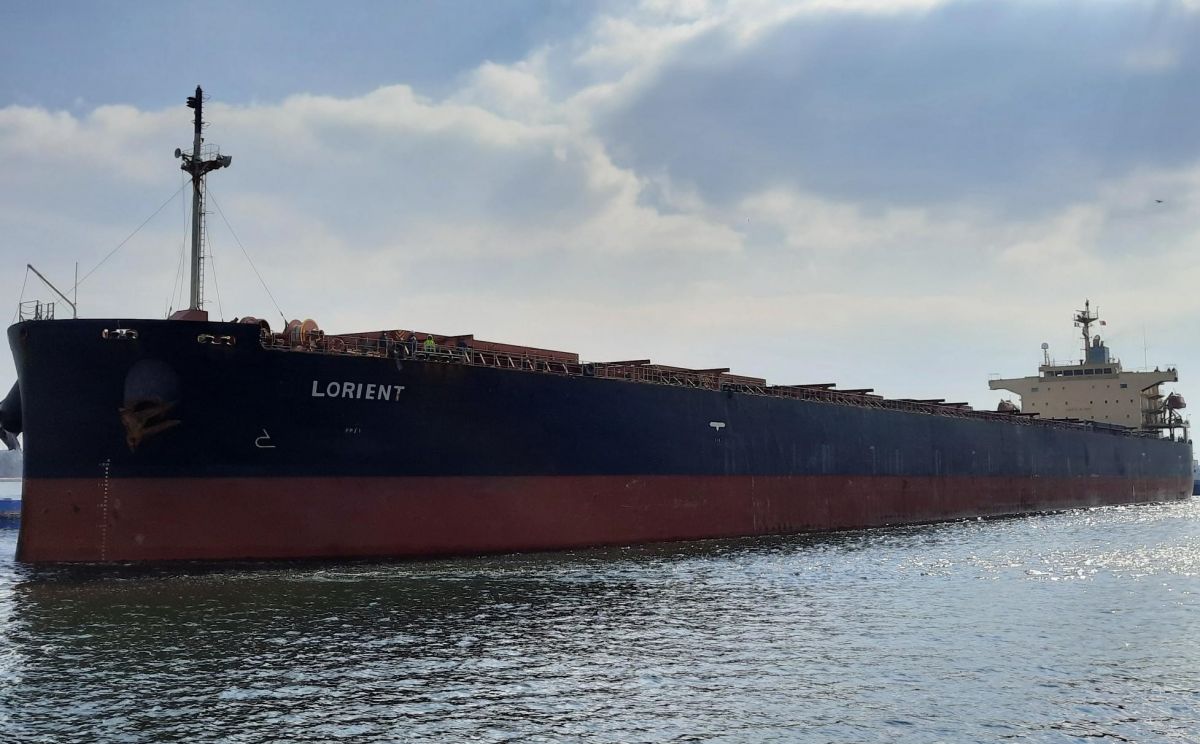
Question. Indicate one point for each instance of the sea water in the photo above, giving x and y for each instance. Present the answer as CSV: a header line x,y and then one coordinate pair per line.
x,y
1077,626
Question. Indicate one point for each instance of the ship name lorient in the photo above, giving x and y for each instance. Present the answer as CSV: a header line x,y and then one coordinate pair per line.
x,y
189,438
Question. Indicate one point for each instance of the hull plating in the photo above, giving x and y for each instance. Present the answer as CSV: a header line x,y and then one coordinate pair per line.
x,y
154,519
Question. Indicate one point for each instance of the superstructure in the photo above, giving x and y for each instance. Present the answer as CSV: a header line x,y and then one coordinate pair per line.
x,y
1097,388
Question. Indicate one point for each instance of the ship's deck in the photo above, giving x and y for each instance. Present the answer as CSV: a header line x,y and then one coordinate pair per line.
x,y
465,350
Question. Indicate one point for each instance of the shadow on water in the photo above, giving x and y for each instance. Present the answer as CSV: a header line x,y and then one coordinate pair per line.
x,y
373,596
27,576
443,591
162,605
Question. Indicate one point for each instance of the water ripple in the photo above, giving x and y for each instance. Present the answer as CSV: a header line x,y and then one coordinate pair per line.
x,y
1053,628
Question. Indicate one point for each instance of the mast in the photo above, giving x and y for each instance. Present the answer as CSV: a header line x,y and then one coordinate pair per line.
x,y
198,166
1085,318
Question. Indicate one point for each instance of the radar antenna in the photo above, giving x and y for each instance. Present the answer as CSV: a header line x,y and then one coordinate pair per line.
x,y
1085,318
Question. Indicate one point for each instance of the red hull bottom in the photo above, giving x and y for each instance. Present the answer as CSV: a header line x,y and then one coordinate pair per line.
x,y
229,518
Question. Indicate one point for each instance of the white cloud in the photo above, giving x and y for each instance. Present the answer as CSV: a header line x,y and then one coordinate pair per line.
x,y
1064,240
110,137
1151,59
504,209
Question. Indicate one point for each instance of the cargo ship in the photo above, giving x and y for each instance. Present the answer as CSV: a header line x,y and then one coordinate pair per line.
x,y
191,439
10,506
10,480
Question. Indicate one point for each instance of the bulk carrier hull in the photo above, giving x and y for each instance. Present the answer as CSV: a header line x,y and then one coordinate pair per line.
x,y
165,440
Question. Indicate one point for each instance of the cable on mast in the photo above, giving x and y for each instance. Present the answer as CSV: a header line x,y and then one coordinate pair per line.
x,y
249,260
128,238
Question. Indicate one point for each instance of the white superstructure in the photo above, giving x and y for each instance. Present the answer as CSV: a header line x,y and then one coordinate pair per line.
x,y
1097,388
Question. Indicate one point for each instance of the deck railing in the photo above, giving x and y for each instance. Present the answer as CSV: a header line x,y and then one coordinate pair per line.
x,y
35,310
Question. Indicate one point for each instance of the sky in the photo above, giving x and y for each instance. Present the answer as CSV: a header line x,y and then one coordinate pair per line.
x,y
905,195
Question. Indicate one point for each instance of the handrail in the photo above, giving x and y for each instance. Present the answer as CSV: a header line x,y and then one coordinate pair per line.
x,y
384,347
35,310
